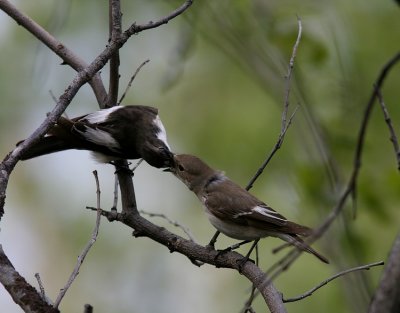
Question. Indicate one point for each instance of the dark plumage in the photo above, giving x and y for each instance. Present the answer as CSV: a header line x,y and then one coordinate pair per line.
x,y
120,132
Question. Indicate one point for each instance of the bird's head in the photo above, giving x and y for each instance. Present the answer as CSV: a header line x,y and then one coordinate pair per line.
x,y
158,154
191,170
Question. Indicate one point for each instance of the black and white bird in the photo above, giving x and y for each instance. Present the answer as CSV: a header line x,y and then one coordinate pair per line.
x,y
232,210
120,132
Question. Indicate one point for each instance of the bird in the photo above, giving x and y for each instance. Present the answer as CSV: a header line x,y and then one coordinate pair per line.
x,y
119,132
232,210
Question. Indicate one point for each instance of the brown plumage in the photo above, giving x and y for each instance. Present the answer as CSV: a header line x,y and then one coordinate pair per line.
x,y
233,210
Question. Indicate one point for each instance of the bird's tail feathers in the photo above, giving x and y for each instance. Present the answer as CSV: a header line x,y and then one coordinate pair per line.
x,y
299,243
46,145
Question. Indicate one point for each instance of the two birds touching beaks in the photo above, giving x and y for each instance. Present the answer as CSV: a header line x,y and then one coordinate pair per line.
x,y
133,132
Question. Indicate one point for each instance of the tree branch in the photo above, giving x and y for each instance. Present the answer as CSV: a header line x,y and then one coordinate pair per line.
x,y
143,228
115,32
285,124
68,56
82,77
387,295
352,183
22,293
311,291
393,137
86,250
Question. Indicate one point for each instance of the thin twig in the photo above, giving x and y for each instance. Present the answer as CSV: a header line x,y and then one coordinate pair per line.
x,y
85,251
59,48
185,229
352,183
289,75
285,125
137,165
131,80
311,291
41,288
393,137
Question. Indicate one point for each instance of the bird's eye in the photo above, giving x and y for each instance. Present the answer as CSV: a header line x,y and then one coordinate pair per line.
x,y
181,168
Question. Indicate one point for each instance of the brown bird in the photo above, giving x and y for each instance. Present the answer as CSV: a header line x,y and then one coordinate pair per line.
x,y
120,132
232,210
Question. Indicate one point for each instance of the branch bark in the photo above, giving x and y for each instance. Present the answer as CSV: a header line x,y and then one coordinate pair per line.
x,y
387,296
67,55
143,228
22,293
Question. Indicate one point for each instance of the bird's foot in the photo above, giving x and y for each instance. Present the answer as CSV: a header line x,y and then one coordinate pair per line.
x,y
122,168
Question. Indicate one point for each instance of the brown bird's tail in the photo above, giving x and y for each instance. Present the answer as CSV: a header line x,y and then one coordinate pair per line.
x,y
299,243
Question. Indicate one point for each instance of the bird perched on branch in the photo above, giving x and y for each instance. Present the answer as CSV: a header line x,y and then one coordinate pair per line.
x,y
233,210
120,132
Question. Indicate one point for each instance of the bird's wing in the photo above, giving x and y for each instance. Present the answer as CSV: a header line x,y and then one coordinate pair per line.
x,y
240,206
95,128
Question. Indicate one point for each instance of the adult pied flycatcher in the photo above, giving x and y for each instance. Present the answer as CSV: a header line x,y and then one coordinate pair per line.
x,y
233,210
120,132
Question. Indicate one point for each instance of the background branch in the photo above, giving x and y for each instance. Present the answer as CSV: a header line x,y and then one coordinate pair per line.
x,y
311,291
67,55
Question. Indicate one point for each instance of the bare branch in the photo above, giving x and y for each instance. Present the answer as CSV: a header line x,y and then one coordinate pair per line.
x,y
68,56
22,293
352,183
274,150
115,22
65,99
131,81
87,248
387,295
285,125
289,75
144,228
393,137
311,291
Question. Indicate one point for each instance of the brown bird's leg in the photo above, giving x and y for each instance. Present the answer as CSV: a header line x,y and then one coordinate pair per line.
x,y
247,257
213,240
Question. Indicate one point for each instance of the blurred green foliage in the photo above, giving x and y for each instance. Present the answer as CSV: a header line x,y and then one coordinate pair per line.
x,y
217,74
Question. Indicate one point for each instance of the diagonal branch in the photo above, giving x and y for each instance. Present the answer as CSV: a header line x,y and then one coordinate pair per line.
x,y
82,77
312,290
67,55
285,124
388,120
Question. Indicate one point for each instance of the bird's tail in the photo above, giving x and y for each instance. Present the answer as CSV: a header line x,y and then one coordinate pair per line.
x,y
45,145
299,243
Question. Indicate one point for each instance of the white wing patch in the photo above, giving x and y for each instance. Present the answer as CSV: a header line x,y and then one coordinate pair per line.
x,y
268,213
99,137
101,115
162,134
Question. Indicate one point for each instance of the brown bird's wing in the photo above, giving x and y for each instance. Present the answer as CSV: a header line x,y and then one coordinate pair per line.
x,y
243,208
234,203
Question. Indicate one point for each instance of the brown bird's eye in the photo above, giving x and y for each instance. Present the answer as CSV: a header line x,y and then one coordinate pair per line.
x,y
181,168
